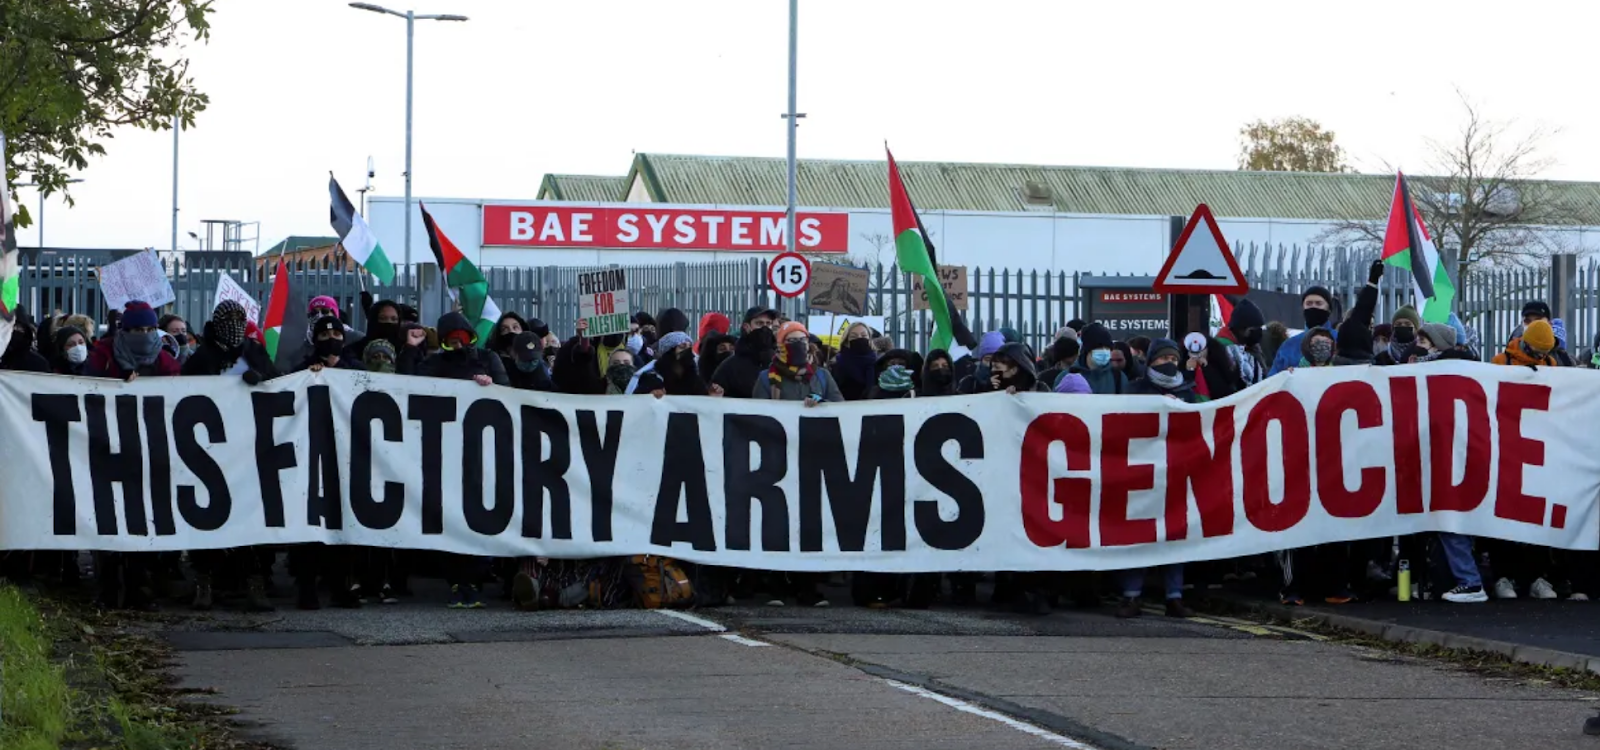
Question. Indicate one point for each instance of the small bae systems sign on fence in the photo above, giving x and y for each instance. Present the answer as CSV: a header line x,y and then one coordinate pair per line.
x,y
660,228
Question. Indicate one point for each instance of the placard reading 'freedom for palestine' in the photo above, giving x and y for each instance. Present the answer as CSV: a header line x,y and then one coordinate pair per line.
x,y
603,301
994,482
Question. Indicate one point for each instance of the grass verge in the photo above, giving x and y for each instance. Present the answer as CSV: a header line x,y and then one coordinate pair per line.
x,y
74,680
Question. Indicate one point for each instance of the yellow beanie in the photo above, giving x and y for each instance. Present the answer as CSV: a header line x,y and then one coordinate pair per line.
x,y
1538,335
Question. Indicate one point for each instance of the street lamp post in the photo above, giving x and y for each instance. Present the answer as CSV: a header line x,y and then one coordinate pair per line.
x,y
41,205
411,21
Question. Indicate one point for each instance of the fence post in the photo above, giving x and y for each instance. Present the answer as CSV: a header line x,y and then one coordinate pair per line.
x,y
1563,273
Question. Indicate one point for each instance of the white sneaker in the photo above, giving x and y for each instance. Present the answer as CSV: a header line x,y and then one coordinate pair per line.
x,y
1504,589
1578,596
1541,589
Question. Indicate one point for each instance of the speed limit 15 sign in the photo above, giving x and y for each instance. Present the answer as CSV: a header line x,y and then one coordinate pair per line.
x,y
789,274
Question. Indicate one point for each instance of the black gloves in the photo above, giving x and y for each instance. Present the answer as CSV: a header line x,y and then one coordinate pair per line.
x,y
1375,274
251,377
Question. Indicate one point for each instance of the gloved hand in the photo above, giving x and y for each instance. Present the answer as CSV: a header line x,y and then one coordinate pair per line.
x,y
251,377
1375,274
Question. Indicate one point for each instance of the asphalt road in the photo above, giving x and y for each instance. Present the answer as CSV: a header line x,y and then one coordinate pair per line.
x,y
419,675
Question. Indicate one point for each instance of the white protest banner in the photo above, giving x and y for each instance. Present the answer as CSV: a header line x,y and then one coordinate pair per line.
x,y
993,482
227,288
138,277
603,301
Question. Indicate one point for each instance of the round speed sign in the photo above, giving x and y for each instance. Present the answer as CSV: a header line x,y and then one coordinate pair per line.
x,y
789,274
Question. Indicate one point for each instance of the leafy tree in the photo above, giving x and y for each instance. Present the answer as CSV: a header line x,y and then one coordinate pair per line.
x,y
1292,144
72,71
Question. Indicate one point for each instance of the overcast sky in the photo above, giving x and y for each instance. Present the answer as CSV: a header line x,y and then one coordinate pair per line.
x,y
299,87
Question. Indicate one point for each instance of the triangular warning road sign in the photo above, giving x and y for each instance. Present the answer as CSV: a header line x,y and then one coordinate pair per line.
x,y
1203,266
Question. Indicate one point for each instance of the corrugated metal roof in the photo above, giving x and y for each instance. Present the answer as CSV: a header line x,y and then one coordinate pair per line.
x,y
582,187
296,242
673,178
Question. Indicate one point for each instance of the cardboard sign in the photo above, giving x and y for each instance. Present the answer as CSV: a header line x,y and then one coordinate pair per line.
x,y
840,289
227,288
139,277
603,302
954,281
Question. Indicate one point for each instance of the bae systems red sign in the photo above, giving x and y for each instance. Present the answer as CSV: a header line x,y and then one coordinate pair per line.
x,y
660,228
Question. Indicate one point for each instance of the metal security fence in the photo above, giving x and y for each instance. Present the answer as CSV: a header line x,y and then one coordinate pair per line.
x,y
1035,303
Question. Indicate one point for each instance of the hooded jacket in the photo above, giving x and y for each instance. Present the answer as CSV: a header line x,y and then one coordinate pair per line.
x,y
1354,341
461,364
855,372
752,355
709,360
1025,379
19,355
210,359
926,386
59,364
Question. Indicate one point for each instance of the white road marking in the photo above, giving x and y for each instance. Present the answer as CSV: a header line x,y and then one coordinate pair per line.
x,y
743,641
961,705
686,617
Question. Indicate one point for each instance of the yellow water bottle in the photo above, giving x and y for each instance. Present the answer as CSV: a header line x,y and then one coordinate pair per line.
x,y
1403,581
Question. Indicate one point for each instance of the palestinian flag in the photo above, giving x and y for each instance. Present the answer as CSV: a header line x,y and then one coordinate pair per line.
x,y
914,253
465,282
1406,244
9,288
356,236
277,311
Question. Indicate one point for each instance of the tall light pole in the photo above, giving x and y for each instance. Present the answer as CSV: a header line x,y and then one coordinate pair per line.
x,y
41,205
411,23
793,117
177,125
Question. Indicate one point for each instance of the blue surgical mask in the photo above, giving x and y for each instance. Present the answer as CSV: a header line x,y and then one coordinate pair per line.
x,y
1100,357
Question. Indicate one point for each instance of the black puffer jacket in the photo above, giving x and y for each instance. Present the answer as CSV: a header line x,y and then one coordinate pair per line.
x,y
462,364
751,358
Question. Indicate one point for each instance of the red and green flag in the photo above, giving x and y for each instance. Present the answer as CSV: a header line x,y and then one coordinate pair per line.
x,y
465,282
1406,244
915,254
277,311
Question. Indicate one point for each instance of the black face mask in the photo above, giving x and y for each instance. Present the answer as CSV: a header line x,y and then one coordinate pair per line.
x,y
1251,337
1405,334
1316,317
389,332
859,346
764,339
940,377
329,347
550,352
1168,369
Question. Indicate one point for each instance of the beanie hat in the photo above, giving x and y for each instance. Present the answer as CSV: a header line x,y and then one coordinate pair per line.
x,y
1318,291
895,379
138,315
1538,335
989,344
323,301
1073,383
1559,328
788,329
324,325
1407,312
1095,336
376,348
1067,332
1162,346
674,340
1440,335
1246,316
1011,335
1537,307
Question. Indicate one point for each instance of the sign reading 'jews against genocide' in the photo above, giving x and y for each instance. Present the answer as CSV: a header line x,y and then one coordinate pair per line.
x,y
992,482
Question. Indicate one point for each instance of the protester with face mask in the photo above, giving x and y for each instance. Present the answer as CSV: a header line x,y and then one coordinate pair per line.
x,y
854,368
136,349
752,355
383,322
19,354
1316,309
1404,327
1234,352
1060,356
1164,375
938,374
524,363
1094,362
675,371
1011,370
328,347
711,324
619,372
226,351
1532,349
792,375
713,351
1382,333
988,345
69,353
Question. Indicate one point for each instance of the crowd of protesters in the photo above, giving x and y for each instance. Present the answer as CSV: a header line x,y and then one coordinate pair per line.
x,y
764,356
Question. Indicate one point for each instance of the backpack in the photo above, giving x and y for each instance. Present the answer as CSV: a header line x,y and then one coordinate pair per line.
x,y
657,582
